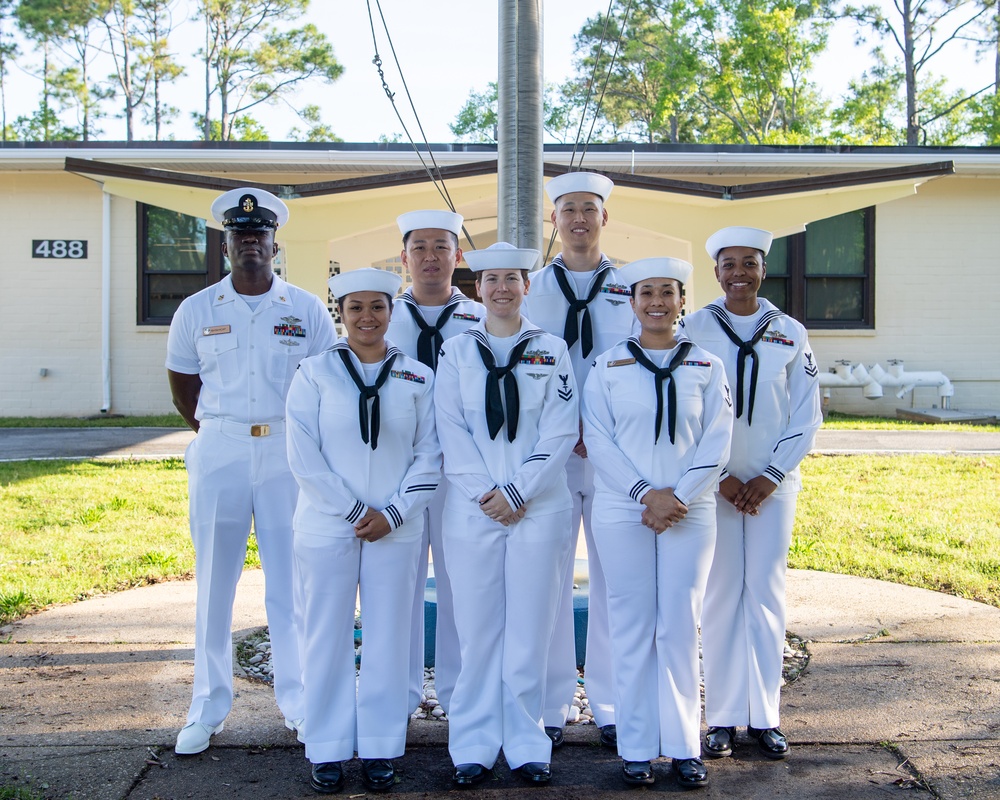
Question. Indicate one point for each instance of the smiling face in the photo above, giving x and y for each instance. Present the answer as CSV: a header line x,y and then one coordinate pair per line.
x,y
431,255
579,217
740,271
365,316
657,302
502,291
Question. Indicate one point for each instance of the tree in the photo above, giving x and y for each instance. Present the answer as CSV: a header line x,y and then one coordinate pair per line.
x,y
244,129
758,55
873,110
250,61
8,52
317,132
68,25
476,121
137,40
920,30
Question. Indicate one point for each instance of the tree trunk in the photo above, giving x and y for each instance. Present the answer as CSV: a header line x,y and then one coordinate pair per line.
x,y
912,120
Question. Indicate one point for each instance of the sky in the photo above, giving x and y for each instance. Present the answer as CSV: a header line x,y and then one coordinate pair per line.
x,y
446,50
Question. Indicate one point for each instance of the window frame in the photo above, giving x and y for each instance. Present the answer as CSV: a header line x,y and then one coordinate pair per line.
x,y
213,273
797,282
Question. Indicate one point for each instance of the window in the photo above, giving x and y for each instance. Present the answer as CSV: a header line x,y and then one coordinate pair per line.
x,y
178,256
825,277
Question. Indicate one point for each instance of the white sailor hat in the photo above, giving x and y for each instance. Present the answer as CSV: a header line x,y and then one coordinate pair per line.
x,y
247,208
738,236
429,218
365,279
501,256
645,268
579,182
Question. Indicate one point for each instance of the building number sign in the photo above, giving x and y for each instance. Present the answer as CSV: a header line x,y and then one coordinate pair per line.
x,y
58,248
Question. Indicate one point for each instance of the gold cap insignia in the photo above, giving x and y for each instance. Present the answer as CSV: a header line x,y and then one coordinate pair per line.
x,y
248,203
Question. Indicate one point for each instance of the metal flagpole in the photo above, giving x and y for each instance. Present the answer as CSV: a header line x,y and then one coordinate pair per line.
x,y
519,125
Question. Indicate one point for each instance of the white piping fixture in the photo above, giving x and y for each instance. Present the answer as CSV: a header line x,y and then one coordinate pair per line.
x,y
871,381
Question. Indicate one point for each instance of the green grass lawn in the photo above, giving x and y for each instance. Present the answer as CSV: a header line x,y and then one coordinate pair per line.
x,y
72,529
100,421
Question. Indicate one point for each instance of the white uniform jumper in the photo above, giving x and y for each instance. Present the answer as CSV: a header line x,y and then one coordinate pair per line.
x,y
246,359
419,342
505,579
340,477
610,321
743,628
656,582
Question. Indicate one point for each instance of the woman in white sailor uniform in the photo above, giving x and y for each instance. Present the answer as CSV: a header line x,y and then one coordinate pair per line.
x,y
657,424
427,314
776,394
362,446
507,418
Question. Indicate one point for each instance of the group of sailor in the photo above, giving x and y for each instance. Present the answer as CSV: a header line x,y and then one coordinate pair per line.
x,y
488,433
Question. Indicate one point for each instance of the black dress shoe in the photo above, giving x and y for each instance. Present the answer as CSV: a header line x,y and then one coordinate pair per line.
x,y
637,773
556,735
609,736
535,772
377,774
771,742
690,772
328,777
718,742
469,774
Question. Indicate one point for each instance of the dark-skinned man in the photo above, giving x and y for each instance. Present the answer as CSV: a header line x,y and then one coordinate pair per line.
x,y
231,354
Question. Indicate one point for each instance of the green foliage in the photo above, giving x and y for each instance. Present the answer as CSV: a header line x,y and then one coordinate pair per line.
x,y
253,61
477,119
984,118
317,130
873,111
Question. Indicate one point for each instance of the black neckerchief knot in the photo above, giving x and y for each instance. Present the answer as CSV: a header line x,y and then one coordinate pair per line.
x,y
430,340
367,393
744,350
494,377
576,305
661,374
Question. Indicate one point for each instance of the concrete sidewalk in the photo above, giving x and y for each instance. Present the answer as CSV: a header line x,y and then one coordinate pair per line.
x,y
902,691
17,444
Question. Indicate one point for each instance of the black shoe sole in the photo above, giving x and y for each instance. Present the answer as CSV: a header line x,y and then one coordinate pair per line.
x,y
326,788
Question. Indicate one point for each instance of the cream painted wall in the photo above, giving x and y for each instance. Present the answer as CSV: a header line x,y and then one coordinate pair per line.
x,y
50,308
937,298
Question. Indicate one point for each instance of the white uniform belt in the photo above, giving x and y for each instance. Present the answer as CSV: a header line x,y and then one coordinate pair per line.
x,y
245,428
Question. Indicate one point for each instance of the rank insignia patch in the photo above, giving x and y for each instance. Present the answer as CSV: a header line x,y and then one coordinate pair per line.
x,y
565,393
811,369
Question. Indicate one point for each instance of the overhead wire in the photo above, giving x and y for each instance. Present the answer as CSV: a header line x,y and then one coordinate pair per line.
x,y
600,100
438,179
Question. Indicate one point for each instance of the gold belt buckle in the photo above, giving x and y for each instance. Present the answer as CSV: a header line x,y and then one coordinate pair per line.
x,y
260,430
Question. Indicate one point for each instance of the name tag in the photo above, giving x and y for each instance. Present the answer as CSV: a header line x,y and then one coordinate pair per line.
x,y
621,362
216,330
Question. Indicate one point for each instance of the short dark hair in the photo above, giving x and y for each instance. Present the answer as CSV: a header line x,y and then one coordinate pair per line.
x,y
406,238
340,302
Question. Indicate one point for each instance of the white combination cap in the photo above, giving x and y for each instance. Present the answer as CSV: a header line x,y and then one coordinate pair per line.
x,y
429,218
247,208
501,256
365,279
671,268
737,236
579,182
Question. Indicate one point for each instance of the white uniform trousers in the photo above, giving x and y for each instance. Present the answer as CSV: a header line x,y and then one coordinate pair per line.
x,y
233,478
506,588
560,680
447,657
743,627
369,716
656,585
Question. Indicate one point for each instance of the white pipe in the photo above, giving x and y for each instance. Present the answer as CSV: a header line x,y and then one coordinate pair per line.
x,y
106,303
845,376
